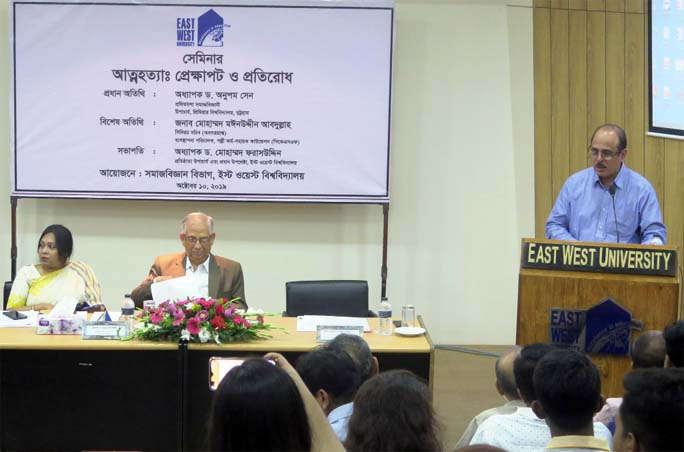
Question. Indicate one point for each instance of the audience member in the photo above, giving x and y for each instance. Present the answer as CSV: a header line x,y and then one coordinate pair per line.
x,y
333,379
648,350
367,366
523,431
359,351
674,343
506,387
392,412
39,287
568,388
215,276
257,407
323,437
652,412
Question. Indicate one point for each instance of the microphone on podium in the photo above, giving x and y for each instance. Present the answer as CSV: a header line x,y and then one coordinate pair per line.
x,y
612,190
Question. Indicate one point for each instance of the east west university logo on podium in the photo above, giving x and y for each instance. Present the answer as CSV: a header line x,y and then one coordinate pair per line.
x,y
603,329
203,31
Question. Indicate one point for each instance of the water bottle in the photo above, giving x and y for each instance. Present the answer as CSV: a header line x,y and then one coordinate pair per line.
x,y
385,317
127,312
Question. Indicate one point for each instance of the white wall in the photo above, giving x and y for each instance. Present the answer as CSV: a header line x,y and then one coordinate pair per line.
x,y
461,186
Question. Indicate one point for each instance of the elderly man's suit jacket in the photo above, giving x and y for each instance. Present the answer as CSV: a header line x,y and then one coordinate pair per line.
x,y
225,277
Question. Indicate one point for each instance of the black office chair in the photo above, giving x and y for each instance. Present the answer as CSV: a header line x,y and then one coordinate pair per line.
x,y
6,293
347,298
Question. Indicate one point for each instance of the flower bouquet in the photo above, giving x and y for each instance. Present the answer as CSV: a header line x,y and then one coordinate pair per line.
x,y
199,320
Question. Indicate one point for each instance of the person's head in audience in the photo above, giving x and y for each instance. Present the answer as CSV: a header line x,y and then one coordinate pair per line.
x,y
674,343
651,416
648,350
359,351
523,369
568,389
257,408
55,247
331,376
505,379
393,412
197,236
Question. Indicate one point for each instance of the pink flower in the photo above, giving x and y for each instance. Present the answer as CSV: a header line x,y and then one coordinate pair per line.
x,y
177,322
156,316
194,325
206,304
229,312
237,320
219,309
179,315
247,324
202,316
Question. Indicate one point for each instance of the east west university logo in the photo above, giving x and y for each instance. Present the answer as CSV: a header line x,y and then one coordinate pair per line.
x,y
203,31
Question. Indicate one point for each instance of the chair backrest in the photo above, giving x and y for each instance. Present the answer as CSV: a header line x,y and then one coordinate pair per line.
x,y
347,298
6,293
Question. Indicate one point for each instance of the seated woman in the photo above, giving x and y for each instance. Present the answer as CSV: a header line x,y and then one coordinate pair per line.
x,y
392,411
39,287
257,407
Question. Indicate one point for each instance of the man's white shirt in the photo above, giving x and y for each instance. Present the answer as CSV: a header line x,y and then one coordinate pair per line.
x,y
522,431
201,276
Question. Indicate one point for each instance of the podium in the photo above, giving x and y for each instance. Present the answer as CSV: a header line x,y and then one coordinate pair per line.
x,y
554,275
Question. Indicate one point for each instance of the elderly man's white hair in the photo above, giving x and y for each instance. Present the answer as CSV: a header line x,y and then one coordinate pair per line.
x,y
204,216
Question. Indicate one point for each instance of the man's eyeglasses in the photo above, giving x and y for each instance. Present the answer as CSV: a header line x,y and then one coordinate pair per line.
x,y
192,239
606,154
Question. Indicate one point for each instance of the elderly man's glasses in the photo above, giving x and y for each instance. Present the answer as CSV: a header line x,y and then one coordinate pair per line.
x,y
606,154
192,239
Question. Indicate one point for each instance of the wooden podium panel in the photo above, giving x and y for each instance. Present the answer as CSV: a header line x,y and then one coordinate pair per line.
x,y
653,300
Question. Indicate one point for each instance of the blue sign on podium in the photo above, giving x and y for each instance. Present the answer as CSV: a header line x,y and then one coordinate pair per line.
x,y
603,329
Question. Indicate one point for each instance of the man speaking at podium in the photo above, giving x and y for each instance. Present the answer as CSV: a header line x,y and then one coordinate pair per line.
x,y
216,276
607,202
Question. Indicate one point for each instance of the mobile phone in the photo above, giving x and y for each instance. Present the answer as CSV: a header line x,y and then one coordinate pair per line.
x,y
219,366
14,315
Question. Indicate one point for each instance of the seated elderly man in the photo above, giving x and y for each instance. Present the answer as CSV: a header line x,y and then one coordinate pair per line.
x,y
506,387
216,277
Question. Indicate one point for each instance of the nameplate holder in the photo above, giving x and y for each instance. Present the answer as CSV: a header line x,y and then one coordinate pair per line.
x,y
599,258
101,330
326,333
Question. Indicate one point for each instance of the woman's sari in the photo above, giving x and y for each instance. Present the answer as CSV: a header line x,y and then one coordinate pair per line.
x,y
76,280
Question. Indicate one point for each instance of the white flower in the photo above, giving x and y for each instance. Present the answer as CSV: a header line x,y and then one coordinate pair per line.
x,y
204,335
240,311
190,306
185,335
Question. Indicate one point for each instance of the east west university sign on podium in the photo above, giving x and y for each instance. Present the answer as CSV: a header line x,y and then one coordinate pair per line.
x,y
566,289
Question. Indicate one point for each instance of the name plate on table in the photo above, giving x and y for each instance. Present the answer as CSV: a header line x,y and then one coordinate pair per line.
x,y
599,258
105,330
326,333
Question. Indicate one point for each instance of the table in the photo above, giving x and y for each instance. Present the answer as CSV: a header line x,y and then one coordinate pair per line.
x,y
61,392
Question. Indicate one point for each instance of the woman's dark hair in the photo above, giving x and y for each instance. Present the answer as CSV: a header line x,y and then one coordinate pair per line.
x,y
63,240
392,412
257,408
